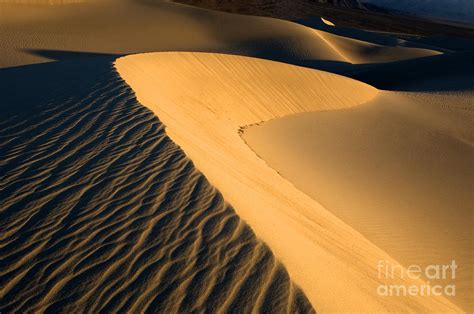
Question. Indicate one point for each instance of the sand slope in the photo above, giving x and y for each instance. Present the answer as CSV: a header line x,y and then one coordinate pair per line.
x,y
399,170
358,51
101,211
310,241
32,34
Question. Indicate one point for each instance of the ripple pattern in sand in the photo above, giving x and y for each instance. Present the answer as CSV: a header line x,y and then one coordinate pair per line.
x,y
101,212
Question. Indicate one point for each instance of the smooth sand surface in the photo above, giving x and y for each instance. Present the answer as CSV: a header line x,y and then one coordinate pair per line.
x,y
398,169
334,265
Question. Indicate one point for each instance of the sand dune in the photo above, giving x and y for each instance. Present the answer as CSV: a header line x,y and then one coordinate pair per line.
x,y
101,211
445,72
334,265
32,34
396,169
358,51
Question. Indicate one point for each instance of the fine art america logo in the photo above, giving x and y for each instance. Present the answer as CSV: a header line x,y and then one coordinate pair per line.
x,y
445,273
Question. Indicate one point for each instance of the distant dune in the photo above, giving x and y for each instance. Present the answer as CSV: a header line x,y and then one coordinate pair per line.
x,y
358,51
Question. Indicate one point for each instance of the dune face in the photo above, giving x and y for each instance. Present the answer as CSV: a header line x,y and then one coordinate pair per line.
x,y
358,51
310,241
101,211
398,169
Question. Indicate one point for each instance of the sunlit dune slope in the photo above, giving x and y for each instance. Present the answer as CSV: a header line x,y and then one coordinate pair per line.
x,y
398,169
358,51
32,34
334,265
102,212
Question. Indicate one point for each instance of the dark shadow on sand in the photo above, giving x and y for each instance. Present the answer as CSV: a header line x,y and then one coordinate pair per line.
x,y
100,211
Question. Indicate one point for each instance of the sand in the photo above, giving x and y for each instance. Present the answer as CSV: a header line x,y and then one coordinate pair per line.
x,y
398,169
309,240
361,52
33,34
125,182
101,211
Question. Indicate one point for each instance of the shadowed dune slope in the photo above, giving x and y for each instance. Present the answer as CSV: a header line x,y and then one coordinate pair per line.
x,y
447,72
334,265
101,211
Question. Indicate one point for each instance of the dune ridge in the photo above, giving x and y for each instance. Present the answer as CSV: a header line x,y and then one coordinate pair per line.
x,y
310,241
361,52
102,212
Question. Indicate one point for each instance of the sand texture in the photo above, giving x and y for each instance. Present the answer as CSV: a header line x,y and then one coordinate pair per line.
x,y
378,166
308,239
162,158
101,211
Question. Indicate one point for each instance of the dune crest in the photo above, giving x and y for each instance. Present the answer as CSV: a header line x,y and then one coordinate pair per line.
x,y
335,265
102,212
358,51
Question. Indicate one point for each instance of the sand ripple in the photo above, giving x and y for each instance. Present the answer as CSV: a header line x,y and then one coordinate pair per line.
x,y
101,211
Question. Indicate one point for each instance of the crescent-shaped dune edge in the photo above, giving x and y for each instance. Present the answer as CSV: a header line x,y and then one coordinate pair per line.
x,y
101,212
205,100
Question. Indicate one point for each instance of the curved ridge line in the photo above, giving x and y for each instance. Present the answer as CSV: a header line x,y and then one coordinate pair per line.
x,y
332,46
348,258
